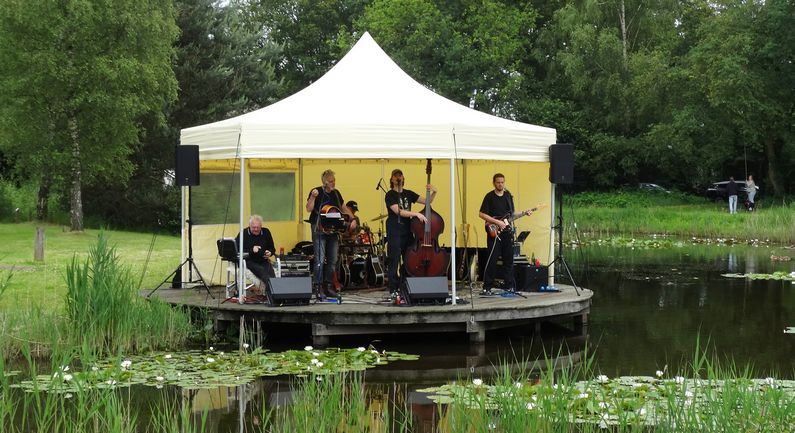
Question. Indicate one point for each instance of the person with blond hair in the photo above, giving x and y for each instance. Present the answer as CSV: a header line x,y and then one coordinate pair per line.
x,y
325,244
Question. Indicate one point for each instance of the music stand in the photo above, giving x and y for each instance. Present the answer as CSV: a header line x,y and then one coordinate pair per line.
x,y
559,227
188,261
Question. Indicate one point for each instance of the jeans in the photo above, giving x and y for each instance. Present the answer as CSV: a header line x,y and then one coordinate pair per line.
x,y
326,251
751,195
733,204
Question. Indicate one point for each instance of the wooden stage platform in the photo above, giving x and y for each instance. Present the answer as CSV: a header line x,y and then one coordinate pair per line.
x,y
367,311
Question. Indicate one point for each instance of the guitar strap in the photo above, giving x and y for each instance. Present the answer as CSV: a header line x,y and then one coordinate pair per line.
x,y
510,208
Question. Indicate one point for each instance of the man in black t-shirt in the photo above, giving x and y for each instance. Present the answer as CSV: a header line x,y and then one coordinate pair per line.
x,y
496,207
258,243
398,224
326,245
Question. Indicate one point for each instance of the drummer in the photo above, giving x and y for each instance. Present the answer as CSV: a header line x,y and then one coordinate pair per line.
x,y
353,207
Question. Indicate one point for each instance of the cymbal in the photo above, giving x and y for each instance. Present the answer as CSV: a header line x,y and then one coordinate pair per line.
x,y
380,217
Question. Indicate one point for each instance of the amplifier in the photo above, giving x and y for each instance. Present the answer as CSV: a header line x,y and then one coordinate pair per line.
x,y
530,278
295,267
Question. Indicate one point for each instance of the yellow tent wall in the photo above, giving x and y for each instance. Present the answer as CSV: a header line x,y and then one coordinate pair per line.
x,y
357,180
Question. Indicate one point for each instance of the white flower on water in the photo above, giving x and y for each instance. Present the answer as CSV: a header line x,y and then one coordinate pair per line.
x,y
771,382
360,349
531,406
67,377
315,354
237,377
679,379
603,405
159,378
126,364
168,356
68,395
477,382
211,348
602,378
110,382
179,374
210,360
319,378
245,345
374,351
583,395
308,348
659,373
319,364
642,411
65,368
518,384
95,368
314,360
159,386
689,394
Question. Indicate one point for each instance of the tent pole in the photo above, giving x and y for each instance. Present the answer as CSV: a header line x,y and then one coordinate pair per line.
x,y
241,283
452,225
182,219
552,233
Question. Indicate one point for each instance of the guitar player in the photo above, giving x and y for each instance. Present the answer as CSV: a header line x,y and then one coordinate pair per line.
x,y
498,211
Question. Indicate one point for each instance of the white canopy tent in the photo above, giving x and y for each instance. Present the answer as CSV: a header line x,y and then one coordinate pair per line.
x,y
365,105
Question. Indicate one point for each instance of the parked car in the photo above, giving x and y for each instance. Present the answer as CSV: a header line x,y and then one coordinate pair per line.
x,y
718,191
653,187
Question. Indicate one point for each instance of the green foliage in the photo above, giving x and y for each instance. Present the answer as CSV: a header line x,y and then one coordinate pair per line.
x,y
105,315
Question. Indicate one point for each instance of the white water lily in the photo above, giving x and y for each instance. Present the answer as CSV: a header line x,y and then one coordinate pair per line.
x,y
583,395
308,348
319,378
518,384
531,406
65,368
110,382
168,356
360,349
603,405
659,373
477,382
159,378
126,364
95,368
67,377
602,378
211,348
689,394
315,354
210,360
314,360
319,364
679,379
771,382
159,386
68,395
245,345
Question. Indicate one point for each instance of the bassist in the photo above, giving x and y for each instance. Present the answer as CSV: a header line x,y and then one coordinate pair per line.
x,y
398,224
498,204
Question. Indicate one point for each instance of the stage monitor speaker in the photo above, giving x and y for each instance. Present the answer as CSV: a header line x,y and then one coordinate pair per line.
x,y
186,166
561,164
425,290
289,291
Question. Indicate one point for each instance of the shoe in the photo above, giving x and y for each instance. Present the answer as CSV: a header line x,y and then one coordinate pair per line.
x,y
330,292
320,293
487,292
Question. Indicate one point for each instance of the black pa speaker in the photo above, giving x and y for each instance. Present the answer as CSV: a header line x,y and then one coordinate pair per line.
x,y
289,291
186,166
561,164
425,290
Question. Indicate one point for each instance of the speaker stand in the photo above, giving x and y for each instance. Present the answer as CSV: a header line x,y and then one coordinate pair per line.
x,y
191,267
559,228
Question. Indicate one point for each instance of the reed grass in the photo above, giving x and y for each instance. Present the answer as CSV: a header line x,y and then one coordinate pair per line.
x,y
636,214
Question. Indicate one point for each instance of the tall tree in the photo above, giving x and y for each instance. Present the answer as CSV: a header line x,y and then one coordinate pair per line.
x,y
81,74
224,67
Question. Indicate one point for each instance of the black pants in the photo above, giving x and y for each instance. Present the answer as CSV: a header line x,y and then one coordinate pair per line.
x,y
502,246
262,270
395,247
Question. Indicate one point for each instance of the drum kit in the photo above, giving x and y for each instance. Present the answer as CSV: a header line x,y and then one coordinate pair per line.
x,y
362,258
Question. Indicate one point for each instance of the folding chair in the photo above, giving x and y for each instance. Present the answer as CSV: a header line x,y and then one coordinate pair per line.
x,y
228,251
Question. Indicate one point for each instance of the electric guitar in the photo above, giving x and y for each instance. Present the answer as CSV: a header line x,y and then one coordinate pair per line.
x,y
493,229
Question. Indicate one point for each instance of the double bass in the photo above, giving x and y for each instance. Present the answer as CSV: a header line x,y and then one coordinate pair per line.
x,y
425,258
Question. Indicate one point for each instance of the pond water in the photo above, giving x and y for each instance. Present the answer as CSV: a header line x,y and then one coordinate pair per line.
x,y
650,307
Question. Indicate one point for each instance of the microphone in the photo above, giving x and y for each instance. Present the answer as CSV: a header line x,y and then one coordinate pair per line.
x,y
379,184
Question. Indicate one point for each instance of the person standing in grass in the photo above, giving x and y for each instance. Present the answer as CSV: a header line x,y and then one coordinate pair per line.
x,y
731,191
750,187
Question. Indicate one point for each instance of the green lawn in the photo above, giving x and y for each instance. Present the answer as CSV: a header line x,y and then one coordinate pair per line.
x,y
42,283
622,213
